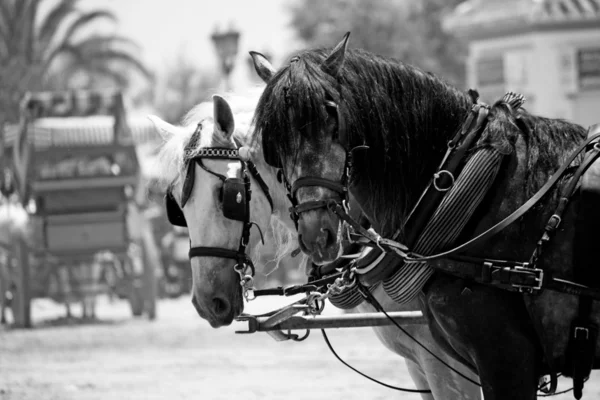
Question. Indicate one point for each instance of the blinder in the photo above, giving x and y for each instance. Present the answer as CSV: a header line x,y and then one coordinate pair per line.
x,y
233,199
174,213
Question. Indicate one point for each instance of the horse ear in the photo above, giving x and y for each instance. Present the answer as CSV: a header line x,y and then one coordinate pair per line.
x,y
223,116
165,129
263,67
333,63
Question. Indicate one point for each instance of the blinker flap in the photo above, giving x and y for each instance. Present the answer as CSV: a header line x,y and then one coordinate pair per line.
x,y
234,199
174,213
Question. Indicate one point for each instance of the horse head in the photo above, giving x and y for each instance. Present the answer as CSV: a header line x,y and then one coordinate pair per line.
x,y
215,193
316,168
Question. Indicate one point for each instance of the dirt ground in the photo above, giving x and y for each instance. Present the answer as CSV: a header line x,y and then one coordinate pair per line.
x,y
179,356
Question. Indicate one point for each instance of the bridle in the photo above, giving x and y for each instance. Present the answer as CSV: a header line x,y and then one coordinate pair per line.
x,y
340,187
235,198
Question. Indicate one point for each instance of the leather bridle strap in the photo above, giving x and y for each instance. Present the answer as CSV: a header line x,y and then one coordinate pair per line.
x,y
341,187
202,251
316,181
261,182
236,255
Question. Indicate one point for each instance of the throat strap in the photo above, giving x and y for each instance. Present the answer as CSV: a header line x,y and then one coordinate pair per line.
x,y
202,251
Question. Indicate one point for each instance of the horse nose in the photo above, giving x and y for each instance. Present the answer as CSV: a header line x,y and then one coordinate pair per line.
x,y
221,308
218,307
313,234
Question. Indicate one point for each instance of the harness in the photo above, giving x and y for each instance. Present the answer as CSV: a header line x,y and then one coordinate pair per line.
x,y
519,276
235,199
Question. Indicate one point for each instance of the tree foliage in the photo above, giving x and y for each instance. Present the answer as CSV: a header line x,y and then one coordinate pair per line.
x,y
59,49
408,30
184,86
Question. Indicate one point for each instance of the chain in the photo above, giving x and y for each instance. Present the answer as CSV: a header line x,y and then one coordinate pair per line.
x,y
246,280
316,300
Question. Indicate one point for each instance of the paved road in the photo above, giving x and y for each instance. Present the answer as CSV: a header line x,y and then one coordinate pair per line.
x,y
179,356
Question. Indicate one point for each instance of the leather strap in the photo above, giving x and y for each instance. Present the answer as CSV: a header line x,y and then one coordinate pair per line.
x,y
512,217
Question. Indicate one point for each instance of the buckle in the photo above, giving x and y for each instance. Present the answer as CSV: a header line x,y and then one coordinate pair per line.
x,y
438,175
538,279
579,329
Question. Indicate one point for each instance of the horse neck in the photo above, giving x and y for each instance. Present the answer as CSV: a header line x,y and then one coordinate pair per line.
x,y
403,173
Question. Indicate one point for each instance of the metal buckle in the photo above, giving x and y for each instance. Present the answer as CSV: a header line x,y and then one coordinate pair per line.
x,y
539,278
438,175
581,329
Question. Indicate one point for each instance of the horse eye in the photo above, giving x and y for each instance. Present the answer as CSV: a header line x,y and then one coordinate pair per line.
x,y
332,122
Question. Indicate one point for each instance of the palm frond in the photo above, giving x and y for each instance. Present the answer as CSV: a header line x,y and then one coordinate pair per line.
x,y
29,29
54,19
85,19
65,50
100,42
121,57
98,47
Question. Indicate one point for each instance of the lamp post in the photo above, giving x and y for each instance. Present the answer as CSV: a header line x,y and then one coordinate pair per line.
x,y
226,44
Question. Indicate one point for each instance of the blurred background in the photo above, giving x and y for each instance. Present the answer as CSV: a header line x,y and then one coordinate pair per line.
x,y
83,235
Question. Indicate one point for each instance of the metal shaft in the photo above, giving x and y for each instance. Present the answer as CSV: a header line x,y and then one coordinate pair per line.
x,y
342,321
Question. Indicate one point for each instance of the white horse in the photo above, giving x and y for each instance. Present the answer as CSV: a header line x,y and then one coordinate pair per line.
x,y
217,295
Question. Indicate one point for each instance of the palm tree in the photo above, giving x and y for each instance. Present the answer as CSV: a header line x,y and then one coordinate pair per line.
x,y
58,50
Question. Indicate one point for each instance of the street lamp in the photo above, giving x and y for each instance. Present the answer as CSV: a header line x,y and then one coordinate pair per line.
x,y
226,44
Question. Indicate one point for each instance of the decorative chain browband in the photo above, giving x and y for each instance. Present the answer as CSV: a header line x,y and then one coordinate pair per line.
x,y
218,152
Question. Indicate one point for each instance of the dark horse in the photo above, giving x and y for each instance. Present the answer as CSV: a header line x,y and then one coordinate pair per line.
x,y
396,121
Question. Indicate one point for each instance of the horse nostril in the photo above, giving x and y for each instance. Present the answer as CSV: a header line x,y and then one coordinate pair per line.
x,y
325,238
303,245
221,306
329,237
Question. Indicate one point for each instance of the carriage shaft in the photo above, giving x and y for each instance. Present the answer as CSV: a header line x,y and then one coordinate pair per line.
x,y
260,324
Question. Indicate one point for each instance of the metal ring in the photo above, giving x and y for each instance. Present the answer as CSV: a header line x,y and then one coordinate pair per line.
x,y
249,294
299,338
247,281
438,175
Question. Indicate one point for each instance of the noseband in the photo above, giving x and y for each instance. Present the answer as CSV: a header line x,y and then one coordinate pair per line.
x,y
235,199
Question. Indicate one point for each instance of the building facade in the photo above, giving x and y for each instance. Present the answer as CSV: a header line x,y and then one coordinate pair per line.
x,y
549,50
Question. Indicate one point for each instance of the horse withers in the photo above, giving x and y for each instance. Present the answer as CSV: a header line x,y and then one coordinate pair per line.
x,y
345,122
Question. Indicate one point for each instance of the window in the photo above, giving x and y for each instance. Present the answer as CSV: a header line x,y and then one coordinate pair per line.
x,y
588,68
490,71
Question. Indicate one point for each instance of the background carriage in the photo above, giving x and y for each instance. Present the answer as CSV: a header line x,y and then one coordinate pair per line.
x,y
74,156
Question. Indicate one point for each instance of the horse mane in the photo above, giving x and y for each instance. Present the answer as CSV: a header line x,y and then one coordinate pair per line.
x,y
404,115
548,141
383,102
